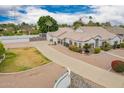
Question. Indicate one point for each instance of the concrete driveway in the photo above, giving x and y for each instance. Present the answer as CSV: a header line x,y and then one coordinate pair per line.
x,y
118,52
102,60
90,72
39,77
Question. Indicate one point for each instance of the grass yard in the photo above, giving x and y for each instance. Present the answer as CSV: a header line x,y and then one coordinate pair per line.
x,y
20,59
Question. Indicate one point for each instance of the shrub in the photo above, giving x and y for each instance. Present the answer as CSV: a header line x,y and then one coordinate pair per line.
x,y
115,45
117,66
86,48
97,50
118,46
75,48
122,45
106,46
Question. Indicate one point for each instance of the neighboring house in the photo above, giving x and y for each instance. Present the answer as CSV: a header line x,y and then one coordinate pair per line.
x,y
91,35
27,29
117,30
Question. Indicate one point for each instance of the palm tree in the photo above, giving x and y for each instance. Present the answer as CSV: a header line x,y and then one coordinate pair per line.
x,y
49,24
90,17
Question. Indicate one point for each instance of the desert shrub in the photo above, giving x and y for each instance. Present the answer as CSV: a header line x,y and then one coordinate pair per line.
x,y
117,66
106,46
75,48
122,45
97,50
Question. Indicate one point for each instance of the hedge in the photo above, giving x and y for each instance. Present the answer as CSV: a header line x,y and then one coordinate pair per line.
x,y
117,66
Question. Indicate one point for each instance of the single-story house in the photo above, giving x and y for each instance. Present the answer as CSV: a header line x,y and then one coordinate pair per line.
x,y
119,31
91,35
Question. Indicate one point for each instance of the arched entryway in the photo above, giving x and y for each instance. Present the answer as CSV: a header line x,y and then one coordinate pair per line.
x,y
96,42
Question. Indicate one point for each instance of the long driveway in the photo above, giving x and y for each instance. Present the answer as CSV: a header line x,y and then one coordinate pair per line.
x,y
39,77
93,73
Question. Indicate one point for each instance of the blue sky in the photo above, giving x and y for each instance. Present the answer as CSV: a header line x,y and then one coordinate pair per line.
x,y
70,9
62,13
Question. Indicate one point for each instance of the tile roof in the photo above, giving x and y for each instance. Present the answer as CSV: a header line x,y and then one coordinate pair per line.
x,y
116,30
86,34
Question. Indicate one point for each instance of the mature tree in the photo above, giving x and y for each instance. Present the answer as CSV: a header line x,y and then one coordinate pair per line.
x,y
47,24
90,17
77,24
91,23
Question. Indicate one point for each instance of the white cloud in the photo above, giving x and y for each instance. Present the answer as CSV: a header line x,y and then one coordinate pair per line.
x,y
114,14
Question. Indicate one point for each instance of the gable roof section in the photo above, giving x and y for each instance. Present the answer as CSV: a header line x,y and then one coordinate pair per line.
x,y
60,32
86,34
98,31
115,30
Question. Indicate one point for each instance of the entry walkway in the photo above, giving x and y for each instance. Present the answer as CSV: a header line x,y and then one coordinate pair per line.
x,y
93,73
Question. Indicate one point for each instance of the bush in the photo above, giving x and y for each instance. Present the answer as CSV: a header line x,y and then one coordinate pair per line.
x,y
122,45
97,50
117,66
87,48
75,48
115,45
118,46
106,46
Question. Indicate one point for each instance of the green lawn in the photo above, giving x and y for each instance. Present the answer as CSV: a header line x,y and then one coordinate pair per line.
x,y
21,59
